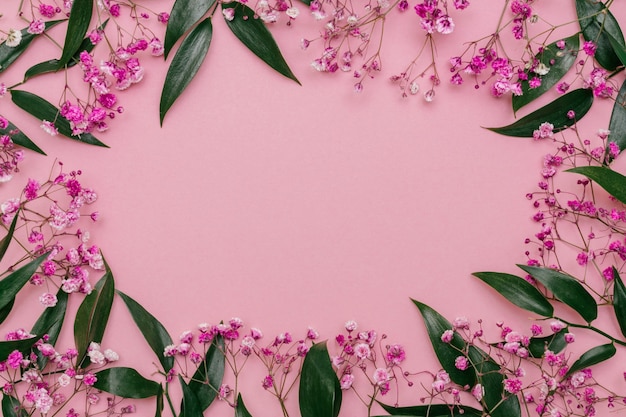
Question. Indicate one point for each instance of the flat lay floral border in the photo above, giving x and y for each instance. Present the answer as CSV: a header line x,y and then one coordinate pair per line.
x,y
575,257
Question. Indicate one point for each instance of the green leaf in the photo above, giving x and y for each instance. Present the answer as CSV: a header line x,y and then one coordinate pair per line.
x,y
8,54
567,289
554,342
159,402
320,392
185,64
43,110
433,410
13,283
618,48
613,182
20,138
92,316
208,377
597,24
80,17
556,113
185,13
446,353
126,383
190,401
619,300
53,65
6,348
152,330
593,356
559,61
253,33
617,125
518,291
4,243
6,310
50,322
12,407
240,409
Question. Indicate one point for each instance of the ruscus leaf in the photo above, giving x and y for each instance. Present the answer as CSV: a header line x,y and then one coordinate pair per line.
x,y
12,407
185,64
558,61
593,356
617,124
619,300
92,316
518,291
159,402
50,322
319,393
9,54
207,379
613,182
597,24
44,110
554,342
13,283
4,243
22,345
433,410
190,401
80,17
19,138
253,33
618,48
152,330
240,409
579,101
126,383
6,310
185,13
566,289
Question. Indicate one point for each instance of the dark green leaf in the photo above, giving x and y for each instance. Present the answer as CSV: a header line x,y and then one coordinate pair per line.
x,y
597,24
50,322
566,289
320,392
190,402
80,17
53,65
559,61
185,13
208,377
152,330
253,33
617,125
240,409
6,348
13,283
593,356
4,243
613,182
446,353
6,310
159,402
12,407
43,110
185,64
20,138
307,2
618,48
518,291
556,113
619,300
93,314
555,343
8,54
433,410
126,383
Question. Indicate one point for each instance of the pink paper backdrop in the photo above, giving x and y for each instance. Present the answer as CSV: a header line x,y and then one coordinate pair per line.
x,y
291,206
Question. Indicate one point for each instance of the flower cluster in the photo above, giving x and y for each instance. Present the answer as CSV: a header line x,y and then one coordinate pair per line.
x,y
10,156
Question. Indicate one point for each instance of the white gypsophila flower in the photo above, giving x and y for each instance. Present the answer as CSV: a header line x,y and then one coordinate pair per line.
x,y
14,37
292,12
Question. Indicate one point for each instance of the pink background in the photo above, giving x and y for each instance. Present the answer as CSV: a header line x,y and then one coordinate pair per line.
x,y
291,206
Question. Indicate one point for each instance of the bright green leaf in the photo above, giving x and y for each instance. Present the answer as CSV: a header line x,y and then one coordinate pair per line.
x,y
518,291
185,13
185,64
559,61
208,377
9,54
613,182
320,393
619,300
433,410
190,401
253,33
554,342
597,24
50,322
4,243
92,316
152,330
240,409
80,17
617,125
19,138
44,110
555,112
593,356
567,289
126,383
13,283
